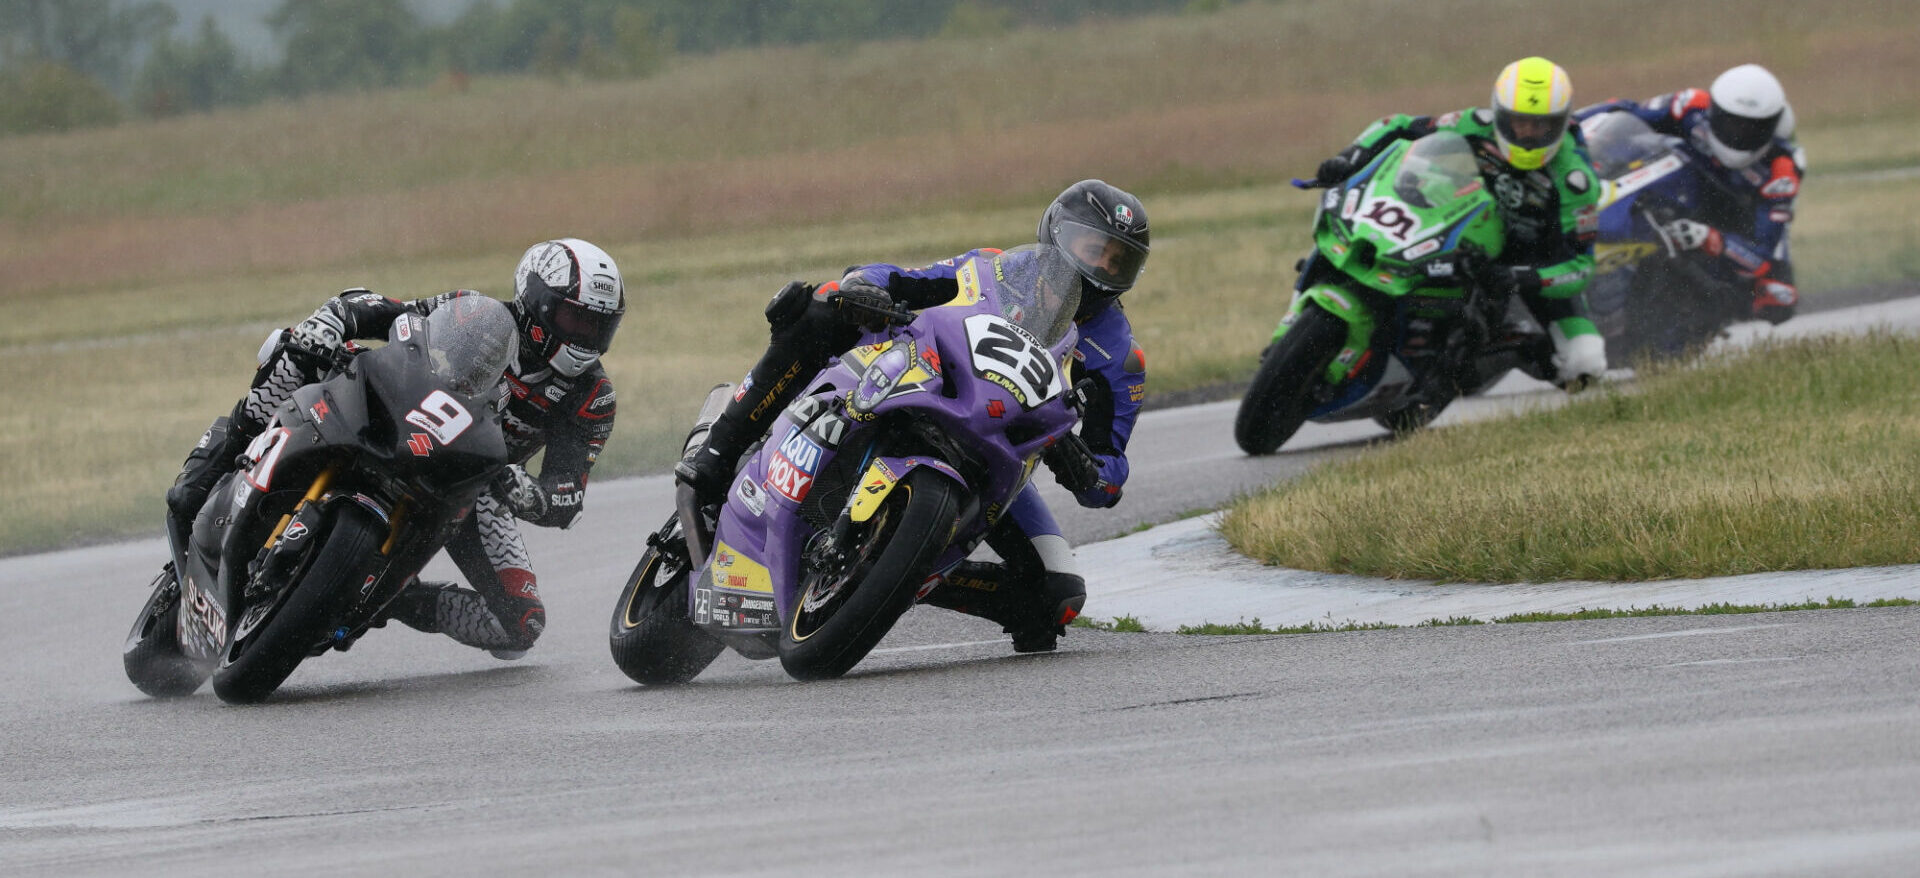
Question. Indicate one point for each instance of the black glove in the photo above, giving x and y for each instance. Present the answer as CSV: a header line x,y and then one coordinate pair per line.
x,y
1073,464
862,303
1341,166
1512,280
520,492
1080,395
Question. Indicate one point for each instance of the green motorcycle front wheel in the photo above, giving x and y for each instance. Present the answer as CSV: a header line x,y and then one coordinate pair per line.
x,y
1284,388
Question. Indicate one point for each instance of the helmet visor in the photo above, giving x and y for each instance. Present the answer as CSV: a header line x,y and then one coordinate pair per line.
x,y
1110,262
1529,130
1743,133
570,320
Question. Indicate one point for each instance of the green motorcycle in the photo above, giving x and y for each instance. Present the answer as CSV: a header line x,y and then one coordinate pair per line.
x,y
1391,322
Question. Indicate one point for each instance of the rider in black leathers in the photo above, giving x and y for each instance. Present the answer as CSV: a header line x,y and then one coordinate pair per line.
x,y
568,301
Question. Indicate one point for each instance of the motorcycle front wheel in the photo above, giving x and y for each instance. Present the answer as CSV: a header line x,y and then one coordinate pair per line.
x,y
1282,393
261,656
839,617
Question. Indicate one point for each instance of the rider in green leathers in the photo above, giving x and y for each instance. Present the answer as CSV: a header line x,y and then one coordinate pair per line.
x,y
1536,167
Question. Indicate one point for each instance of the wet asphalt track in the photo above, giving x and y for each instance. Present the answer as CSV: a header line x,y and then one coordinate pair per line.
x,y
1781,744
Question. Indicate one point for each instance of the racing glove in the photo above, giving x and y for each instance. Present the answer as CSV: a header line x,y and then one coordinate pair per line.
x,y
521,492
324,333
859,302
1689,234
1073,464
1340,166
1773,301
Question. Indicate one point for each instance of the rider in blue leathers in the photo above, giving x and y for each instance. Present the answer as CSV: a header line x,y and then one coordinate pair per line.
x,y
1037,589
1740,130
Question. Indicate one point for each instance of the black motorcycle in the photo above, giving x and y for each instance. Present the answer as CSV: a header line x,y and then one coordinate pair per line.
x,y
356,482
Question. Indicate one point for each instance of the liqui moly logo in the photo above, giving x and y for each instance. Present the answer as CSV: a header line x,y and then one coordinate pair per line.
x,y
791,471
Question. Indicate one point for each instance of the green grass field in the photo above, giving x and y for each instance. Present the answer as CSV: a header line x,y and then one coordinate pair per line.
x,y
141,265
1799,455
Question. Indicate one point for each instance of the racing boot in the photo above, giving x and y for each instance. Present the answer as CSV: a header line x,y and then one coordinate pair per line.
x,y
1060,599
1036,617
212,458
417,606
774,383
806,330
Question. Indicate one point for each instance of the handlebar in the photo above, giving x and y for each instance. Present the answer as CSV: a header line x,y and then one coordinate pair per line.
x,y
889,315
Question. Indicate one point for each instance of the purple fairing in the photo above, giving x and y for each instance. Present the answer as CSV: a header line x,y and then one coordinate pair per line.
x,y
973,389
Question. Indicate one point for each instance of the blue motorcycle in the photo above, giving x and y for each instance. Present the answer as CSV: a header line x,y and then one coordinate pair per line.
x,y
1648,296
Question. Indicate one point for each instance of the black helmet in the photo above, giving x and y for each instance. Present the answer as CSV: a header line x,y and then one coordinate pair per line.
x,y
1103,231
570,300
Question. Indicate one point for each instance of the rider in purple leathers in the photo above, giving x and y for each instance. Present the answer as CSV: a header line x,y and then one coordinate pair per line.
x,y
1741,128
1038,588
568,300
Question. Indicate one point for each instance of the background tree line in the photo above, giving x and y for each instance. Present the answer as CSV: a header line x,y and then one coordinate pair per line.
x,y
73,63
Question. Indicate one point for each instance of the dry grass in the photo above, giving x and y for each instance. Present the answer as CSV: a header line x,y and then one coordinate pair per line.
x,y
744,140
1797,456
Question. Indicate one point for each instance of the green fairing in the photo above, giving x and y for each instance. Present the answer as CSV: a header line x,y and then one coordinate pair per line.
x,y
1416,202
1563,279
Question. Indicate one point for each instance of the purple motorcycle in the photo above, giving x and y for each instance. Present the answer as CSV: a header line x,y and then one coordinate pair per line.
x,y
887,472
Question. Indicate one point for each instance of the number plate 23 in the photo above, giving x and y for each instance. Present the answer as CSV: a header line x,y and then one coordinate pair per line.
x,y
1011,357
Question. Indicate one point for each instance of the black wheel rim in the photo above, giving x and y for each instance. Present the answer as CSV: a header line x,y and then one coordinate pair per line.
x,y
821,595
650,589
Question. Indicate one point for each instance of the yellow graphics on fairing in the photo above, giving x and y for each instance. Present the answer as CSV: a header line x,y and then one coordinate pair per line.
x,y
736,572
874,487
1613,257
968,277
865,354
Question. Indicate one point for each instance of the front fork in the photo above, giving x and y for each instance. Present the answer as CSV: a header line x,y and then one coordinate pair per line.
x,y
1343,303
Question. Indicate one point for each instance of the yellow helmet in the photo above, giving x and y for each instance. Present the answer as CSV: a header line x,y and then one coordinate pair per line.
x,y
1532,101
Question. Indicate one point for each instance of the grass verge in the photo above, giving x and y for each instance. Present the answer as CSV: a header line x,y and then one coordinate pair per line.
x,y
1129,624
1794,455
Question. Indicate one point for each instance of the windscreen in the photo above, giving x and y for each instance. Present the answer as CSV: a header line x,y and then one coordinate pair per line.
x,y
470,341
1039,290
1620,142
1437,169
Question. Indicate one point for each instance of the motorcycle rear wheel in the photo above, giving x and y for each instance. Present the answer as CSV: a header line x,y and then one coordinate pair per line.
x,y
653,639
152,653
893,556
257,663
1282,392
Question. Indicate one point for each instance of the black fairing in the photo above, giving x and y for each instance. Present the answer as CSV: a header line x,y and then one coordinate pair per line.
x,y
400,441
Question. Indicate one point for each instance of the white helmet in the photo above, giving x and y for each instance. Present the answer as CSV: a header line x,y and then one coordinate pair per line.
x,y
570,300
1745,114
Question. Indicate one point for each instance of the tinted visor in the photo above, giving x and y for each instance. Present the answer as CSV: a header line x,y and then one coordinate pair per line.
x,y
1742,133
570,320
1110,262
1530,131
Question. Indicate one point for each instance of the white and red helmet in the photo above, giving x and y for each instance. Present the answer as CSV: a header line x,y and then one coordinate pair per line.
x,y
570,299
1746,111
